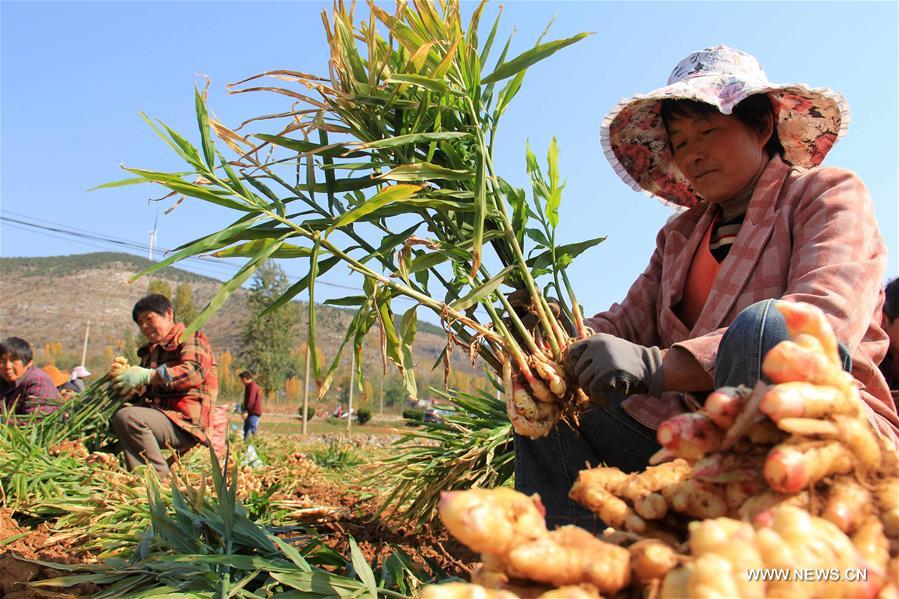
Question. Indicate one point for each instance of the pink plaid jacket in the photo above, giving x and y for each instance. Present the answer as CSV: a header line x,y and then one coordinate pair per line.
x,y
809,235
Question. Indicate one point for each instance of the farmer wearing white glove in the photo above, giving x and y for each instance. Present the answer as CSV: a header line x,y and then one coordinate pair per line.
x,y
180,385
132,377
761,221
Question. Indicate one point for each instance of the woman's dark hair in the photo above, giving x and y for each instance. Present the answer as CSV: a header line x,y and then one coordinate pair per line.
x,y
752,111
18,349
245,375
891,304
151,303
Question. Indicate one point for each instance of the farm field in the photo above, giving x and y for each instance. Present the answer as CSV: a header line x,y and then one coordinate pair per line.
x,y
765,473
323,487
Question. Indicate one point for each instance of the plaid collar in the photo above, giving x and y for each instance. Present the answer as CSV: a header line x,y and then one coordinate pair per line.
x,y
169,343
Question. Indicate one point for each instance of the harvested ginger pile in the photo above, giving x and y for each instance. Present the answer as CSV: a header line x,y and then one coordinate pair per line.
x,y
784,490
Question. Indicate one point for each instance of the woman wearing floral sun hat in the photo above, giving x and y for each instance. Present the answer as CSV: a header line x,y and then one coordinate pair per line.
x,y
761,221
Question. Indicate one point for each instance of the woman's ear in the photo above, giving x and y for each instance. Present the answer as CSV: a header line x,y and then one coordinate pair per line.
x,y
767,129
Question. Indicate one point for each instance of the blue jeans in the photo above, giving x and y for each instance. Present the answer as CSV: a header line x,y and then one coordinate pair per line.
x,y
250,425
549,465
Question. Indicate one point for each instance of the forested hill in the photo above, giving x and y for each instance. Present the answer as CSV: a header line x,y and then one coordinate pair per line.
x,y
55,266
50,299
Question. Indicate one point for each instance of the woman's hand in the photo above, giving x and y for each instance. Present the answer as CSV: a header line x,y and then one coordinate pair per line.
x,y
604,364
133,376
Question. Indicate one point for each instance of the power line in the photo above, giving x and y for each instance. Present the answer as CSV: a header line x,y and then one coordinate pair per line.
x,y
80,235
88,238
86,233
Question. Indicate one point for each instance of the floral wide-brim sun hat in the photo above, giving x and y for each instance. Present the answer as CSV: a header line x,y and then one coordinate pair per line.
x,y
809,120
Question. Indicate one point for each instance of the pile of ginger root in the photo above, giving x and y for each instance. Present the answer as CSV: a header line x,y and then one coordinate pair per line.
x,y
783,490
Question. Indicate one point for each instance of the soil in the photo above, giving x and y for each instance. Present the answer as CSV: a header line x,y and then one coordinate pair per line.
x,y
377,538
349,515
14,572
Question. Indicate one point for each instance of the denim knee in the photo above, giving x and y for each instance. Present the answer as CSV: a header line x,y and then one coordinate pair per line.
x,y
755,330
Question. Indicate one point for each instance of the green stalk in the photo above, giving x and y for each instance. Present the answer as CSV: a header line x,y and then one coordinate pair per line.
x,y
575,308
349,231
554,332
519,326
354,264
510,343
540,304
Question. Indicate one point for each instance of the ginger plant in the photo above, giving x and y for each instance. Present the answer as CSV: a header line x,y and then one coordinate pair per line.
x,y
406,111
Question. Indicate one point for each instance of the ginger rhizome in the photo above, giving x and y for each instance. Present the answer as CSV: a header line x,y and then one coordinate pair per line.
x,y
790,476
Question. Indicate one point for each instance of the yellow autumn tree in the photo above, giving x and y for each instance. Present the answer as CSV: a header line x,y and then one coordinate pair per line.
x,y
161,287
300,356
293,389
52,352
229,385
368,395
460,381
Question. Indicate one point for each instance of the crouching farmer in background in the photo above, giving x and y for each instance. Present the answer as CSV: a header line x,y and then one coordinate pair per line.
x,y
24,389
890,365
179,377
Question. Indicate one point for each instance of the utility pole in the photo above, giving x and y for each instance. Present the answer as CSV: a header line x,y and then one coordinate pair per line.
x,y
349,410
87,332
152,244
306,391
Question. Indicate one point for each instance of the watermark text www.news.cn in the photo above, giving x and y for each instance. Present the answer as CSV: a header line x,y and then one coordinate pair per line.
x,y
807,574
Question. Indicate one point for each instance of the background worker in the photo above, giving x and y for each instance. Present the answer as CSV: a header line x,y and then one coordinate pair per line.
x,y
252,404
763,222
890,365
76,378
178,375
24,389
61,380
58,377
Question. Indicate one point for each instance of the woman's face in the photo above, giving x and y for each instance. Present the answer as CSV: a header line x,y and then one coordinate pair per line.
x,y
11,368
156,327
719,154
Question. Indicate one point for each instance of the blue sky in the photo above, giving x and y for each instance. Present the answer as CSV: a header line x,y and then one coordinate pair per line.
x,y
75,75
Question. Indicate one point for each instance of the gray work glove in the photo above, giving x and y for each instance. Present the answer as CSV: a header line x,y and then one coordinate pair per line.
x,y
520,300
604,364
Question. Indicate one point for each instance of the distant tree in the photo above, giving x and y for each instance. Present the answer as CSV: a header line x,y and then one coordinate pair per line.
x,y
367,395
298,359
52,352
161,287
185,310
127,346
229,385
341,387
293,389
394,391
267,338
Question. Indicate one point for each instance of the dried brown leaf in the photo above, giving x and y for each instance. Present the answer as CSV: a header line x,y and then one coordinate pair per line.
x,y
283,75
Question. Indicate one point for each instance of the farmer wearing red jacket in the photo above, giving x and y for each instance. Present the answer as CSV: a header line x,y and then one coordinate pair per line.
x,y
252,404
181,385
761,222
